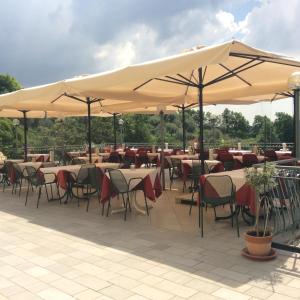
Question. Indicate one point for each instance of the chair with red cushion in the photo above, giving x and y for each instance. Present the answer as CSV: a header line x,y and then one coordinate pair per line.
x,y
40,158
249,160
114,157
142,159
129,159
271,155
227,160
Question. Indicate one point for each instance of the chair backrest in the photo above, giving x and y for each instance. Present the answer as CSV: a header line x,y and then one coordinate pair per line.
x,y
118,181
95,178
217,187
17,171
271,154
196,171
49,164
34,176
40,158
78,161
224,156
228,165
83,174
114,157
249,160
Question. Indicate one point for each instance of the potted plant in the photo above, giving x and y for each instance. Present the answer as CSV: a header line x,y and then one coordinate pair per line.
x,y
259,239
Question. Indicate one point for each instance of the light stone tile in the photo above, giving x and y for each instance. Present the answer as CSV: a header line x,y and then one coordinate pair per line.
x,y
227,294
11,290
67,286
176,289
152,293
259,293
92,282
87,295
52,293
24,296
124,282
116,292
37,271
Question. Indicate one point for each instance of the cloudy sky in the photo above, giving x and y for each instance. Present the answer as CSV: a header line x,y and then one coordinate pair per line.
x,y
49,40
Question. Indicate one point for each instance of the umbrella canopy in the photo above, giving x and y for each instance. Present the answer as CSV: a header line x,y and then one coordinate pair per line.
x,y
232,72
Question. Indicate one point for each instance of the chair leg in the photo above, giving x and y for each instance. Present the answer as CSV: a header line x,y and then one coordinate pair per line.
x,y
88,204
20,188
192,203
103,207
27,193
108,207
147,209
39,196
201,213
46,192
237,211
129,205
232,216
215,213
126,203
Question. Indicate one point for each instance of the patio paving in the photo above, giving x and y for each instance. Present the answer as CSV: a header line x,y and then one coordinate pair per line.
x,y
62,252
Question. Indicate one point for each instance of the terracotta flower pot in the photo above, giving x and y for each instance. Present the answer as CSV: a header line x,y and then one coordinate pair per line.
x,y
258,246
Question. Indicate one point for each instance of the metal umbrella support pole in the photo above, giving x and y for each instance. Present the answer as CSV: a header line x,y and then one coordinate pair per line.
x,y
201,141
297,123
25,134
162,144
88,101
183,128
115,130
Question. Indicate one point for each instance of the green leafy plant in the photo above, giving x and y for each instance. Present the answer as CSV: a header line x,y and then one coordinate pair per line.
x,y
262,180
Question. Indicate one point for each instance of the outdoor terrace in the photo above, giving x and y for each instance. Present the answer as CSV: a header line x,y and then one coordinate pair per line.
x,y
63,252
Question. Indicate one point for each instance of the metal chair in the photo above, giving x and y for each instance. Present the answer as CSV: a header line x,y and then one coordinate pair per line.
x,y
82,182
78,161
36,179
114,157
129,159
174,169
5,175
218,191
195,180
249,160
120,186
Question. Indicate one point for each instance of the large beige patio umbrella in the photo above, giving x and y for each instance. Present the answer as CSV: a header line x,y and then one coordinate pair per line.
x,y
231,73
25,115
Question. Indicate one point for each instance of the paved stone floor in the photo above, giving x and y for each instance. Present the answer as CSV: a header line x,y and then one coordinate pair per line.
x,y
62,252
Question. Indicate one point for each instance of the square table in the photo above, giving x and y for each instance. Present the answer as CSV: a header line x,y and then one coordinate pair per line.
x,y
150,184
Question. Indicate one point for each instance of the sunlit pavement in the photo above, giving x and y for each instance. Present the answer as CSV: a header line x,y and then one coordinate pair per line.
x,y
62,252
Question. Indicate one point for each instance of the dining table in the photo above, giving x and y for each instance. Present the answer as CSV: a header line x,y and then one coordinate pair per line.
x,y
239,158
63,176
245,194
148,182
95,158
39,156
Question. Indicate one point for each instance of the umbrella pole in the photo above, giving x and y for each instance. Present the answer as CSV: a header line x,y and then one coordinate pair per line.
x,y
25,134
201,143
183,128
89,129
115,130
162,144
200,104
296,123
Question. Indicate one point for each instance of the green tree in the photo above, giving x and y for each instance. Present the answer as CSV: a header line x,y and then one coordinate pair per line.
x,y
8,84
283,125
263,129
234,124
